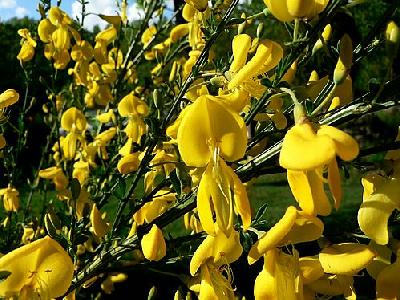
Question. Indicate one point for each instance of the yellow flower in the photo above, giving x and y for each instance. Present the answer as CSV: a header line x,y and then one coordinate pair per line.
x,y
380,198
28,46
99,225
222,193
128,163
294,227
305,153
279,278
153,244
148,34
10,198
222,132
288,10
200,5
135,110
242,73
162,200
222,136
8,98
74,121
39,270
219,249
58,177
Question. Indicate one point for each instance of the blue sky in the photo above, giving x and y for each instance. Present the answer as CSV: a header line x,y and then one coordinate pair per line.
x,y
21,8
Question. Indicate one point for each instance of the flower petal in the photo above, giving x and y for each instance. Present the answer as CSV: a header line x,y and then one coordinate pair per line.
x,y
240,45
346,258
274,236
302,149
346,147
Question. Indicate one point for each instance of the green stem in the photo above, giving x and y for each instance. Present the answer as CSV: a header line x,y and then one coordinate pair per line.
x,y
296,29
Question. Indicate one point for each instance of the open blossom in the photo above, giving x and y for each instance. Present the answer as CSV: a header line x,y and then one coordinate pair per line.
x,y
307,150
222,136
39,270
288,10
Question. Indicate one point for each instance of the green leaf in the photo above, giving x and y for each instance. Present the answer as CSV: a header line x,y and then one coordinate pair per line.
x,y
260,213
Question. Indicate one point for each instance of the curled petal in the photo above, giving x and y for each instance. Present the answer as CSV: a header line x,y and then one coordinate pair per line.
x,y
274,236
310,269
240,45
346,147
303,149
346,258
308,189
305,228
373,217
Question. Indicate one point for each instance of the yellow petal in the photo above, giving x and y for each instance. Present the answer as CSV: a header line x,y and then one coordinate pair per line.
x,y
332,285
388,282
277,280
2,141
305,228
310,269
61,38
107,36
308,190
346,147
279,9
381,261
178,32
204,204
374,214
346,258
73,118
240,45
45,29
242,204
222,249
275,55
274,236
334,182
99,225
301,141
128,163
153,244
207,125
252,68
43,263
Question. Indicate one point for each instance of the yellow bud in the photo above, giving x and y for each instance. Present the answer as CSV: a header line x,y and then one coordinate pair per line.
x,y
392,38
153,244
345,60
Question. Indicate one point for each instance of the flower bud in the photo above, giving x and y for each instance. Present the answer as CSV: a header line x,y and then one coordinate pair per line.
x,y
153,244
392,38
345,60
